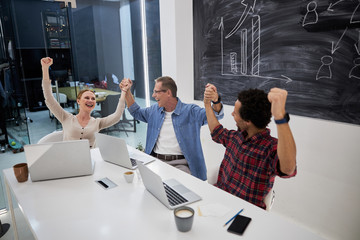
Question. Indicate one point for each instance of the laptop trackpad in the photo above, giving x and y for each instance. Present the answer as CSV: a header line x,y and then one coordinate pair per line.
x,y
181,189
174,184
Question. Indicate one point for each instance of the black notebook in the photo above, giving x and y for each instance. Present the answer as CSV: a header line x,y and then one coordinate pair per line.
x,y
239,224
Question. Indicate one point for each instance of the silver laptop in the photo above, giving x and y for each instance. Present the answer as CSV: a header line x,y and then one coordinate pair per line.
x,y
170,192
115,150
59,160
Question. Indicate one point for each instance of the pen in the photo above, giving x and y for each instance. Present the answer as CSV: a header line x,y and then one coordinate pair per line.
x,y
233,217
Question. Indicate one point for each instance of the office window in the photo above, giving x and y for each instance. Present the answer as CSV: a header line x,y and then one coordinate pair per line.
x,y
109,42
95,44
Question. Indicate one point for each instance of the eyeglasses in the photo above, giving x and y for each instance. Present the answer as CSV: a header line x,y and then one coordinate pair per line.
x,y
159,91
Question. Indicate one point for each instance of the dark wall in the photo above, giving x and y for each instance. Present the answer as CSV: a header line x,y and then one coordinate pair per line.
x,y
28,22
29,33
154,46
98,38
309,48
9,37
137,47
111,39
85,45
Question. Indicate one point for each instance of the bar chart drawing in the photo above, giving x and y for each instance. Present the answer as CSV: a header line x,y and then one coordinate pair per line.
x,y
255,58
310,48
236,62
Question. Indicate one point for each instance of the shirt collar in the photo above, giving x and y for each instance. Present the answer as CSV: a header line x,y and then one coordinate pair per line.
x,y
257,136
178,107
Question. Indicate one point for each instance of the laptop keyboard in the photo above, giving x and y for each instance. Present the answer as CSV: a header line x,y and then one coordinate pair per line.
x,y
133,162
174,197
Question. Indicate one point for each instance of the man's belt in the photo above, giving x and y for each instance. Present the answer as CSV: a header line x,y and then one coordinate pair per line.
x,y
167,157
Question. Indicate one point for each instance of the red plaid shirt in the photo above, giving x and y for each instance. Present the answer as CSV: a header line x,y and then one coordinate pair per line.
x,y
249,166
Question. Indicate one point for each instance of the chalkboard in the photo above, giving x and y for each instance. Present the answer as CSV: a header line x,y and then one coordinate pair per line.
x,y
309,48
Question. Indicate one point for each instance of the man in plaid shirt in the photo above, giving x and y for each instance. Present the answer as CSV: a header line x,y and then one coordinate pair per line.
x,y
253,158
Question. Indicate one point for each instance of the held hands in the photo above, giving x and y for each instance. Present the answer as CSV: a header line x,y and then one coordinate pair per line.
x,y
210,94
46,62
125,84
277,98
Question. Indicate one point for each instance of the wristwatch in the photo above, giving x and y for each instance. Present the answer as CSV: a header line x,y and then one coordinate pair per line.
x,y
218,101
286,119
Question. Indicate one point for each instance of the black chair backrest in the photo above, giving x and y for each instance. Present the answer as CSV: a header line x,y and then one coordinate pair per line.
x,y
109,105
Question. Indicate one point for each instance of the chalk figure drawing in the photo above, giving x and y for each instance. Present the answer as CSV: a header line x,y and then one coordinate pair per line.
x,y
355,71
325,69
311,16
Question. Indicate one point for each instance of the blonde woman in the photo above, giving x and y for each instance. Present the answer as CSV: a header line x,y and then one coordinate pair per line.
x,y
82,125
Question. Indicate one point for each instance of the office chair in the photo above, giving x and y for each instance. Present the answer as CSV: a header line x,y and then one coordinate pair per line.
x,y
108,107
115,87
269,200
55,136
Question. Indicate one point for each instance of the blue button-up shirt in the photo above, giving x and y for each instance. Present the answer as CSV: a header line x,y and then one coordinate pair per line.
x,y
187,120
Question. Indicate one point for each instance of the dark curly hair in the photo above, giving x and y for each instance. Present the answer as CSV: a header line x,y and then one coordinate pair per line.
x,y
255,107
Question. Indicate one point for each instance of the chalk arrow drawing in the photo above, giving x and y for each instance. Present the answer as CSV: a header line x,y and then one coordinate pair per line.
x,y
357,45
284,78
249,6
354,13
221,27
333,4
357,48
336,46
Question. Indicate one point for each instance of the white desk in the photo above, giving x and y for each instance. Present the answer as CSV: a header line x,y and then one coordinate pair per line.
x,y
78,208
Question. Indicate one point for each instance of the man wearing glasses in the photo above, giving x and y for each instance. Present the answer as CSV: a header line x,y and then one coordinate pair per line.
x,y
173,133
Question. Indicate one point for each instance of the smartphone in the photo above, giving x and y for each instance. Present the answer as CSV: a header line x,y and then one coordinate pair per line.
x,y
239,224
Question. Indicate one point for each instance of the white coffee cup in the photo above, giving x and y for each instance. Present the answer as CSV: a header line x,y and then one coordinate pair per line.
x,y
129,176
